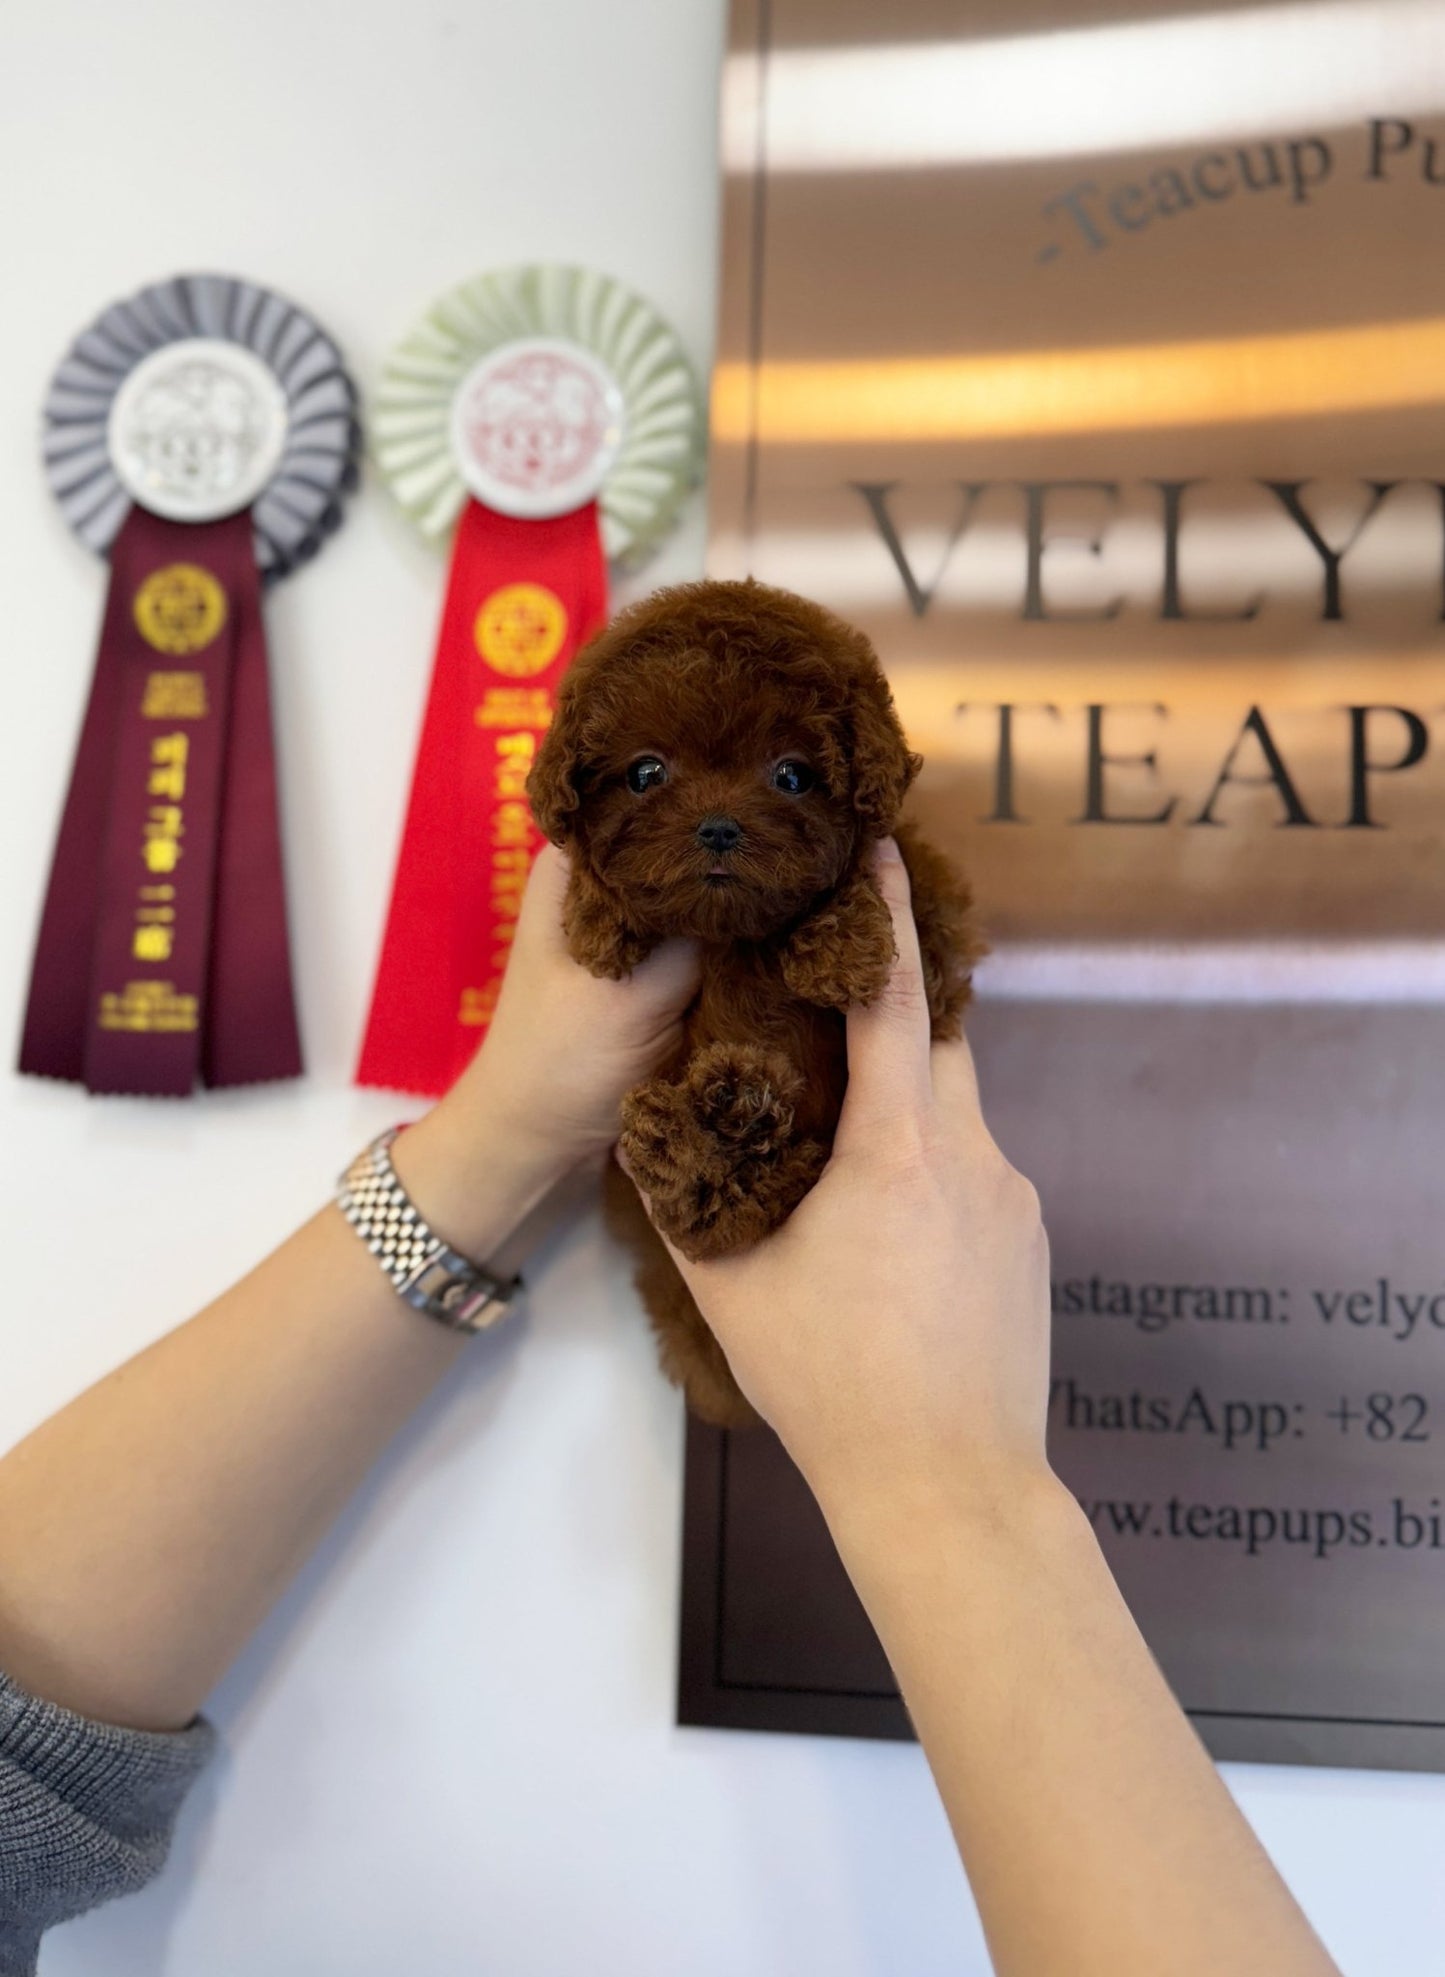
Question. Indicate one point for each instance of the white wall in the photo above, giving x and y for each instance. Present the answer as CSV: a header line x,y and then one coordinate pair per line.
x,y
450,1750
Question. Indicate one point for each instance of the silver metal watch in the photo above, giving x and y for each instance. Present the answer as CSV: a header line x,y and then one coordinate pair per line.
x,y
428,1273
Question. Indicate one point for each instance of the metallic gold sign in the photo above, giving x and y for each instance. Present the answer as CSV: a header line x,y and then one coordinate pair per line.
x,y
1094,363
1119,427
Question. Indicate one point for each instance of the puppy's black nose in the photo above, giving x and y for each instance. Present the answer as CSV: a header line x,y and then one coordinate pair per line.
x,y
719,833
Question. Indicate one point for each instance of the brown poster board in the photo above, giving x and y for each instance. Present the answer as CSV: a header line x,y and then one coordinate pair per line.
x,y
1116,416
1256,1424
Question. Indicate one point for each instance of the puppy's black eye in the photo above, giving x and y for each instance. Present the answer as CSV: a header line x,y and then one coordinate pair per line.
x,y
647,772
793,778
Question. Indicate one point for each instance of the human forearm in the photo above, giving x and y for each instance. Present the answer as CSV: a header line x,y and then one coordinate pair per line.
x,y
910,1385
148,1527
1099,1839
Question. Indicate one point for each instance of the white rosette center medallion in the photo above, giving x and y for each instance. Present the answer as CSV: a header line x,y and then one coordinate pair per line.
x,y
536,426
197,429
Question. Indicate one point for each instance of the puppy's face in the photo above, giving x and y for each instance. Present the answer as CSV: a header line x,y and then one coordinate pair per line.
x,y
713,817
719,759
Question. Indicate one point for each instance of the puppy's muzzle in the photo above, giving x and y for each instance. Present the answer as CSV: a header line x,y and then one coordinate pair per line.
x,y
719,833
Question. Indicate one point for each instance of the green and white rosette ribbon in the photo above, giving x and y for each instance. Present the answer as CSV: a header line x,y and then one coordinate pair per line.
x,y
545,421
659,452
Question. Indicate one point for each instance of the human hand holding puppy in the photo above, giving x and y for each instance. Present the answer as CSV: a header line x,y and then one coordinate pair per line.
x,y
895,1330
888,1312
542,1095
722,760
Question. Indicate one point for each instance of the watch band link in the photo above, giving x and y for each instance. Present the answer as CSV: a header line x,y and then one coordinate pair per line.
x,y
428,1273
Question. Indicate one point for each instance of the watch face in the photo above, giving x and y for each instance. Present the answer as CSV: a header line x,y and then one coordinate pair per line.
x,y
536,425
197,429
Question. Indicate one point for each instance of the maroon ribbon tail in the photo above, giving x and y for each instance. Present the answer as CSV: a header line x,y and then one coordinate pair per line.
x,y
52,1043
251,1035
162,954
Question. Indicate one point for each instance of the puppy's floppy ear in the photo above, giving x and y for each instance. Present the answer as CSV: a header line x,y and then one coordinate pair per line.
x,y
552,786
882,765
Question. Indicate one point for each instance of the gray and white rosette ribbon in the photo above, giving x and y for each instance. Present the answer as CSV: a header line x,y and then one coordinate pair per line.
x,y
197,397
201,435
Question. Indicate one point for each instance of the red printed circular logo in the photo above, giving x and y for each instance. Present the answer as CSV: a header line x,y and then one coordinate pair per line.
x,y
536,425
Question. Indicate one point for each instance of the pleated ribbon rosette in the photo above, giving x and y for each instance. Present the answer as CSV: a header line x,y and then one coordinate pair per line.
x,y
546,421
199,434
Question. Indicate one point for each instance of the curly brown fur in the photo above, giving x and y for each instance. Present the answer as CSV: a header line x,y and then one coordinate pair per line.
x,y
719,684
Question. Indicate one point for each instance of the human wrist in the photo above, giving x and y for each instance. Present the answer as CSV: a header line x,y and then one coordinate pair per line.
x,y
473,1176
902,1528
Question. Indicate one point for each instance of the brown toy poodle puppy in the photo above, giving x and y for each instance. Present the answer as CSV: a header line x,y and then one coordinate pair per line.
x,y
722,757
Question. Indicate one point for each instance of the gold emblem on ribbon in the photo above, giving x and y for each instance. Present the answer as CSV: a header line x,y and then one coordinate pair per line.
x,y
174,697
520,628
180,608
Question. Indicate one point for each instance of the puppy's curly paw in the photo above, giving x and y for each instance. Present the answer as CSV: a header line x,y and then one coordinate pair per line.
x,y
743,1097
598,939
715,1153
844,952
656,1141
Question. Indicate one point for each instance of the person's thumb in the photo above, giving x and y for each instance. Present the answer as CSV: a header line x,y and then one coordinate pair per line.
x,y
888,1040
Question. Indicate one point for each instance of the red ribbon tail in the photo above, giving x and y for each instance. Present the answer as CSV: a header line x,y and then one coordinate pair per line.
x,y
522,598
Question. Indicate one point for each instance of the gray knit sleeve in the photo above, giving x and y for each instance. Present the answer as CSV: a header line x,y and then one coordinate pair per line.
x,y
86,1812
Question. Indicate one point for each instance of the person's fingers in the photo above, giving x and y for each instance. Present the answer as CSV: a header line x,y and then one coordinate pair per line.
x,y
540,921
957,1105
670,974
888,1068
955,1080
